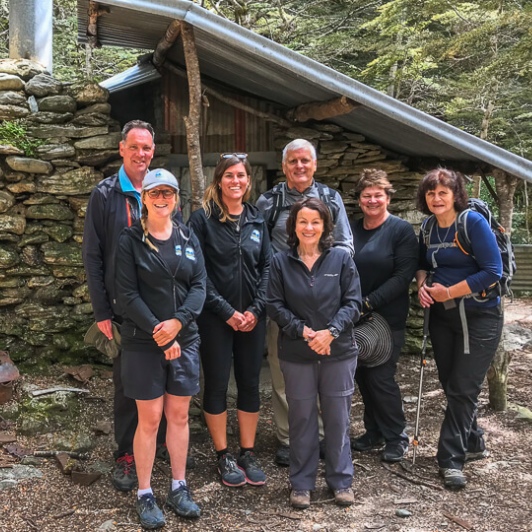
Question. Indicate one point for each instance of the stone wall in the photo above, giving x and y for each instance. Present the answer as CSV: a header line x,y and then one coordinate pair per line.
x,y
44,302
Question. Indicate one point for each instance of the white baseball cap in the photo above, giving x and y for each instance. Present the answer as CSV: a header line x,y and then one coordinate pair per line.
x,y
157,177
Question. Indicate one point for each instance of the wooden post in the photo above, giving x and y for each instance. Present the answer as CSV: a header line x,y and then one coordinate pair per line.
x,y
505,186
192,121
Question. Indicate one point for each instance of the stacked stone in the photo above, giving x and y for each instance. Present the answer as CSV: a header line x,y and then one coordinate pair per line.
x,y
342,155
44,303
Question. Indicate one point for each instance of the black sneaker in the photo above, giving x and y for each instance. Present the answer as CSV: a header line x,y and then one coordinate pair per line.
x,y
394,452
149,513
124,474
162,454
250,466
181,502
453,479
229,472
282,455
367,442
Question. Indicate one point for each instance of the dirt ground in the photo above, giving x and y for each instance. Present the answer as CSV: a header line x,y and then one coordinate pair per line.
x,y
497,497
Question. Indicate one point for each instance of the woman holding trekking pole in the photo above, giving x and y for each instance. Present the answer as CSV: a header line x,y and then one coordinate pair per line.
x,y
466,321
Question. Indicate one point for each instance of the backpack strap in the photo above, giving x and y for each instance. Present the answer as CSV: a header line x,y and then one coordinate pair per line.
x,y
324,193
278,196
463,240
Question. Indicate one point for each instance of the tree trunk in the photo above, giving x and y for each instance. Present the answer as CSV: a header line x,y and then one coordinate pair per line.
x,y
505,186
192,121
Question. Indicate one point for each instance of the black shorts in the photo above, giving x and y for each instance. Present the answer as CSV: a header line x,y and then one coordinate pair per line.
x,y
148,375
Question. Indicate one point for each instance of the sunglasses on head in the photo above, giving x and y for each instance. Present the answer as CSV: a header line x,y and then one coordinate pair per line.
x,y
241,156
154,193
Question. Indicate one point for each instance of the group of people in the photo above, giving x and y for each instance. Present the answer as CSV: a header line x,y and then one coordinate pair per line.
x,y
201,293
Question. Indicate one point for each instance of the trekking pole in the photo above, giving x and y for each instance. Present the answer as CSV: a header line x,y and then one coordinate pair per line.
x,y
423,363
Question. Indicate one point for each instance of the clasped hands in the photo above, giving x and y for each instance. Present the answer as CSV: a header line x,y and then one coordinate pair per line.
x,y
165,332
318,341
244,322
427,295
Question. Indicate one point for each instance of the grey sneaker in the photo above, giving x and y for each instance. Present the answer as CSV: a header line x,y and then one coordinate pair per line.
x,y
453,479
249,465
149,513
344,497
181,502
479,455
300,499
229,472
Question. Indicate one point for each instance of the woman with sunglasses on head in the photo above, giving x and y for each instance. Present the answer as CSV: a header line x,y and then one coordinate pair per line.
x,y
235,243
160,278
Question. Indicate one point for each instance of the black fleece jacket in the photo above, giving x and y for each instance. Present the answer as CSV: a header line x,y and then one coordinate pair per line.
x,y
237,261
148,292
328,295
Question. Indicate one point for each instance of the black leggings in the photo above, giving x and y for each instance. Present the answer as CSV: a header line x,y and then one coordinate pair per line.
x,y
461,375
220,346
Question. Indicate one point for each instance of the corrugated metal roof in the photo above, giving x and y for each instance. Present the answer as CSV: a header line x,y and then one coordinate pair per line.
x,y
249,62
136,75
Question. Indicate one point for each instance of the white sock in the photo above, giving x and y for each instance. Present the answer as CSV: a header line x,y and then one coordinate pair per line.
x,y
176,484
146,491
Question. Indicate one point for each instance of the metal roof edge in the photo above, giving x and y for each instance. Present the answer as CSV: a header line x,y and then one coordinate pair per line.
x,y
135,75
326,77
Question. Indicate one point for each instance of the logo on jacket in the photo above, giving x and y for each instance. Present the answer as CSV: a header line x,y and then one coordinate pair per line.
x,y
190,254
178,250
255,236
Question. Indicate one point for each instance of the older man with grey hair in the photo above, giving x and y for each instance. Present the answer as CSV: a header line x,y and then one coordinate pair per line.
x,y
299,165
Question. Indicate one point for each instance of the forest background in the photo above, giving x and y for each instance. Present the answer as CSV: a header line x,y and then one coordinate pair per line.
x,y
466,63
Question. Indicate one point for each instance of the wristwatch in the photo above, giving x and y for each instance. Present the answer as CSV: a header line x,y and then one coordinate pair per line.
x,y
335,333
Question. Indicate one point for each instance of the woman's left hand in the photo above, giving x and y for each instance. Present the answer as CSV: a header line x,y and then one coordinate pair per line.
x,y
166,331
249,323
173,352
321,343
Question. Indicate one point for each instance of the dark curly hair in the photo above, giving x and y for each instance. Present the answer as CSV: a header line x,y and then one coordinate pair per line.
x,y
455,181
315,204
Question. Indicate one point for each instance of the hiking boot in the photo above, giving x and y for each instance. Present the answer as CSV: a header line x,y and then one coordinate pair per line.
x,y
478,455
453,479
344,497
282,455
394,452
149,513
163,454
249,465
124,474
229,472
181,502
300,499
366,442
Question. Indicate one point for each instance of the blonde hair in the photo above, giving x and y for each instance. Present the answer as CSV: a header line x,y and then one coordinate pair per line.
x,y
373,177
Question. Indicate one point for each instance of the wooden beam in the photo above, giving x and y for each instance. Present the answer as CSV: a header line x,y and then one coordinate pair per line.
x,y
322,110
94,13
269,117
192,121
172,33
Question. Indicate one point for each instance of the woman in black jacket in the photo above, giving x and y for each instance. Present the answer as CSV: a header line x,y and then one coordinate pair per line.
x,y
314,297
236,247
160,277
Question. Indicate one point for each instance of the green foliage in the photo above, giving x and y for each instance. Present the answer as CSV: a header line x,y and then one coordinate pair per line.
x,y
15,132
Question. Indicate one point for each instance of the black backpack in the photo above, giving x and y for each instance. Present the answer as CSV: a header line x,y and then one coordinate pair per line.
x,y
463,240
278,195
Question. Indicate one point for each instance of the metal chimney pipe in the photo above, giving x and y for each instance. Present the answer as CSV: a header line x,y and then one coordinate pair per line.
x,y
31,31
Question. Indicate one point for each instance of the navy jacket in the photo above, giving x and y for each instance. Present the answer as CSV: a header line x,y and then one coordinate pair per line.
x,y
237,261
148,292
326,296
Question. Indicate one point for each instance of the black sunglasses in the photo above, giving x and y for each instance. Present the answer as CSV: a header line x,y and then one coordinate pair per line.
x,y
154,193
241,156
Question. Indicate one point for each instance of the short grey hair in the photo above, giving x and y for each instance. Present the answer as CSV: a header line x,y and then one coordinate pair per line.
x,y
299,144
137,124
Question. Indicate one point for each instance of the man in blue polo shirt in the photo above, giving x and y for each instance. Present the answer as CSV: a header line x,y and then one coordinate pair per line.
x,y
113,205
